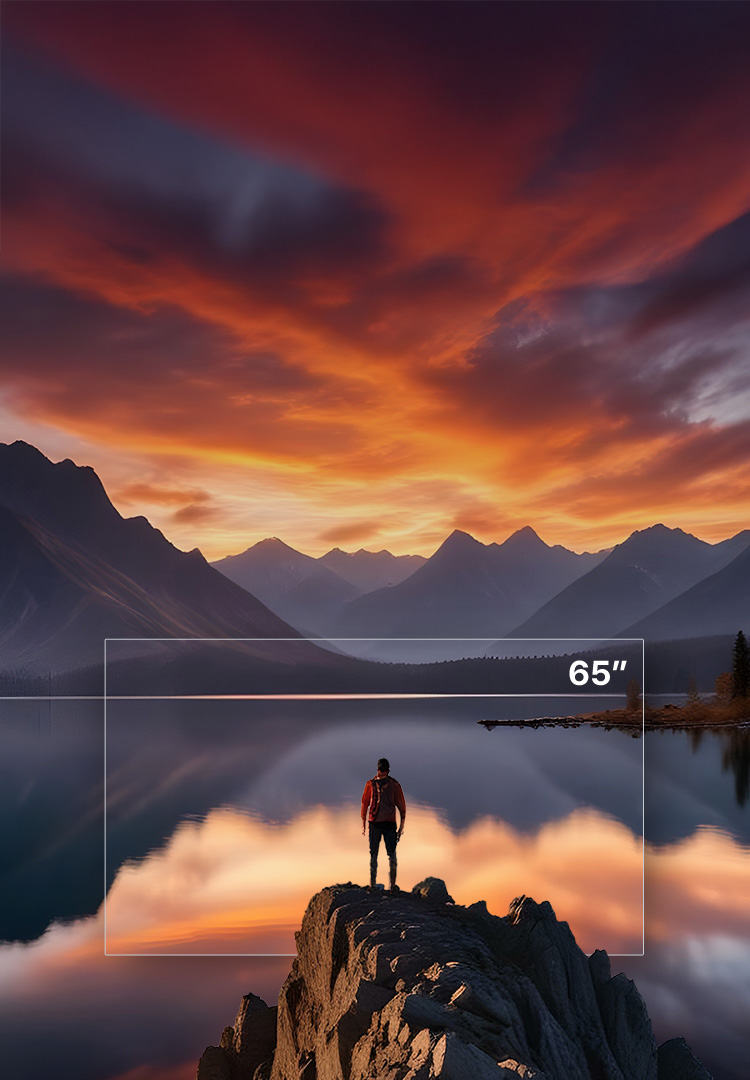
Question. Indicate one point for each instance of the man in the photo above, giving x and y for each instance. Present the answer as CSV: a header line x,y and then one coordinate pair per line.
x,y
380,800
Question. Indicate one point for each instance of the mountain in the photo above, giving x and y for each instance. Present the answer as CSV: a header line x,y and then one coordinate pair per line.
x,y
293,585
73,572
418,987
311,593
647,570
719,604
370,570
733,546
468,589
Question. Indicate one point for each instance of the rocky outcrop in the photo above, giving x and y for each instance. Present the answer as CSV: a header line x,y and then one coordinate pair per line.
x,y
415,987
246,1050
676,1062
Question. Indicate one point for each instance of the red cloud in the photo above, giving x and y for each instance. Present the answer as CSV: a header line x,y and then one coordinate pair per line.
x,y
459,162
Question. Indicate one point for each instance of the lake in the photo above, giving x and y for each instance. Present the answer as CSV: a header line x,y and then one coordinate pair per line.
x,y
223,818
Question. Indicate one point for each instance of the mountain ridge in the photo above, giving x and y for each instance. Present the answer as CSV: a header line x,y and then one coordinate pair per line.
x,y
468,589
104,575
59,519
647,570
717,604
294,585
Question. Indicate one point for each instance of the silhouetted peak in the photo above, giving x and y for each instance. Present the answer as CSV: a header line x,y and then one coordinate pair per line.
x,y
21,451
659,536
271,543
526,538
270,552
24,456
60,495
459,541
360,553
659,529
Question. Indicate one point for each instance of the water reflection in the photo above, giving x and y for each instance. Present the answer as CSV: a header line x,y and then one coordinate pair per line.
x,y
695,778
694,975
278,761
735,755
234,883
51,805
736,758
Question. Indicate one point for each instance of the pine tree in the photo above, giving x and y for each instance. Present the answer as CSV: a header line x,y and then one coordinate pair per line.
x,y
740,667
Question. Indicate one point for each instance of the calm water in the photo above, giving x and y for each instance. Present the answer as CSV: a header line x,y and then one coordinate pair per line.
x,y
224,817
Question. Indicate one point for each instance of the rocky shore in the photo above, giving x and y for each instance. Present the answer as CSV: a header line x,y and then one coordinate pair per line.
x,y
415,987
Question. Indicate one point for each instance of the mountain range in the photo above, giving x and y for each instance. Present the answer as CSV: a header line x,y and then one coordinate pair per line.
x,y
468,589
309,592
74,571
659,583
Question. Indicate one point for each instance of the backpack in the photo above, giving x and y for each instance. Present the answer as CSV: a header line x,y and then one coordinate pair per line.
x,y
383,798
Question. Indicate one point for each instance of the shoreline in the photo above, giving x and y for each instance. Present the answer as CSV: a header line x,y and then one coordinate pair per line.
x,y
695,716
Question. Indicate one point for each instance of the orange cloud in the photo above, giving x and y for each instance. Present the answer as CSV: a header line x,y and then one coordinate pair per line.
x,y
350,532
138,491
477,280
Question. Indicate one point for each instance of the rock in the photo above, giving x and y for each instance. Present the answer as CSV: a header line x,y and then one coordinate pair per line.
x,y
214,1064
433,889
676,1062
627,1027
599,967
415,987
246,1048
515,1068
254,1035
453,1059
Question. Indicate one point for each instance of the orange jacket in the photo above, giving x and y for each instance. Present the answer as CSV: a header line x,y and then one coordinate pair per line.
x,y
398,800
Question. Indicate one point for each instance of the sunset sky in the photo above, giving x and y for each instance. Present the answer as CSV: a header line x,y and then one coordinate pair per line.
x,y
357,275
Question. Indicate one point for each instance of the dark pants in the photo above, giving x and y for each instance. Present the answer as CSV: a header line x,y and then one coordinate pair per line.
x,y
386,829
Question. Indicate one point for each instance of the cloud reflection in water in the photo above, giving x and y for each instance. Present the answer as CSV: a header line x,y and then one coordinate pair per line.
x,y
233,883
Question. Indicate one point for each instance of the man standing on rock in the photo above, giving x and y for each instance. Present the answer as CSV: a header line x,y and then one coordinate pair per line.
x,y
380,800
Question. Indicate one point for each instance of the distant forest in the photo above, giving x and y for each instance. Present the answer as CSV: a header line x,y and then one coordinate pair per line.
x,y
671,668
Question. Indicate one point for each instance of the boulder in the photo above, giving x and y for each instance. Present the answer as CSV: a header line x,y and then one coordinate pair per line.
x,y
433,889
